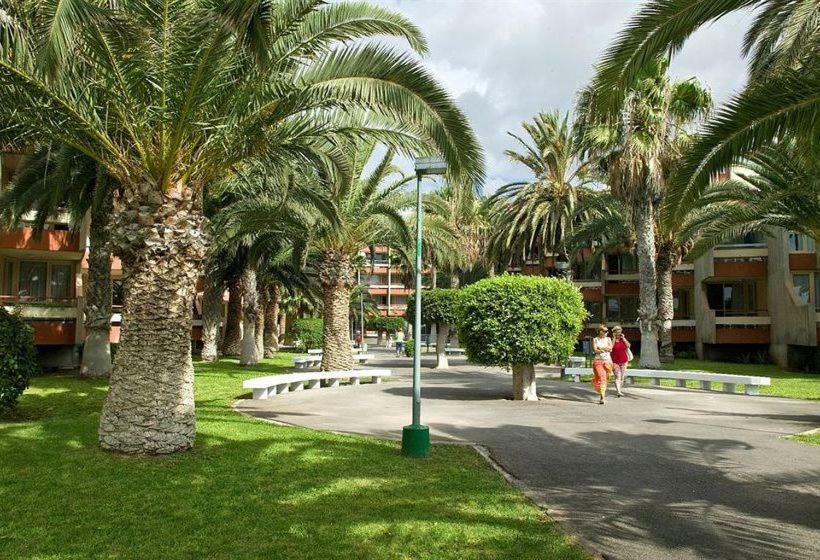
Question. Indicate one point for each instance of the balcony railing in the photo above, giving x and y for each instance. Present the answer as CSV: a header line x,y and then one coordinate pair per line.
x,y
34,300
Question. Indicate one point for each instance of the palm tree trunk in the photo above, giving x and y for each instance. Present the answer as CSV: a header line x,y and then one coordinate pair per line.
x,y
271,336
442,332
337,279
433,277
644,224
250,296
211,316
260,328
150,403
96,360
232,339
283,326
666,304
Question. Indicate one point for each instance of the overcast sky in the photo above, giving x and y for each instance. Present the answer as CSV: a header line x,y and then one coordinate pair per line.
x,y
506,60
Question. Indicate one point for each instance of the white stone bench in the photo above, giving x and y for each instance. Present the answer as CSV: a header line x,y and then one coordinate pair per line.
x,y
313,351
266,387
454,351
314,360
751,382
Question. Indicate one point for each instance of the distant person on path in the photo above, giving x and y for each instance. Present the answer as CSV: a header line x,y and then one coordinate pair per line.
x,y
620,357
399,343
602,362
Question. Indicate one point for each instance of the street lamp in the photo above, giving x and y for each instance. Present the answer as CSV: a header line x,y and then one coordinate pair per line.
x,y
415,438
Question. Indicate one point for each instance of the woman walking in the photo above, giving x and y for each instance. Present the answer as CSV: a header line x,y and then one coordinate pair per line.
x,y
602,362
620,357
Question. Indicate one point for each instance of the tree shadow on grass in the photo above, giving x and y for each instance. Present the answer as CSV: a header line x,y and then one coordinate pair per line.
x,y
250,489
652,496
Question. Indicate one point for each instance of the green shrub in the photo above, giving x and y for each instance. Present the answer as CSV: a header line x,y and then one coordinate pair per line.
x,y
18,358
520,321
308,332
438,306
386,324
409,347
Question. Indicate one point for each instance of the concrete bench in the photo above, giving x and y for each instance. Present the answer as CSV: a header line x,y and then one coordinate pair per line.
x,y
751,382
314,360
458,351
266,387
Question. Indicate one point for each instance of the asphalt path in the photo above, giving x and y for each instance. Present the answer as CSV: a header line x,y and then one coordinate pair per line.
x,y
659,474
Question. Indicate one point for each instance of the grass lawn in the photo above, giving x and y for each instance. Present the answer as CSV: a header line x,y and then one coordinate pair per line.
x,y
796,385
249,489
810,438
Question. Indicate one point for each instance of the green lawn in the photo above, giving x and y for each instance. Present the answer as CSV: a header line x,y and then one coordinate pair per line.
x,y
796,385
249,489
812,438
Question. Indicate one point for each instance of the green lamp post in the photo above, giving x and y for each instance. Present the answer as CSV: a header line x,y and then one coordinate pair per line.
x,y
415,438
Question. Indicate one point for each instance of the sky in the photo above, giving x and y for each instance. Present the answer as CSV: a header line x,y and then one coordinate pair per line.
x,y
506,60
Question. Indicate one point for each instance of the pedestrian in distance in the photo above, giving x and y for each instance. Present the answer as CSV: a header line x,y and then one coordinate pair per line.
x,y
601,362
621,355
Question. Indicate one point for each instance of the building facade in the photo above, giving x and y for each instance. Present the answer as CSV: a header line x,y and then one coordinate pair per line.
x,y
756,297
384,281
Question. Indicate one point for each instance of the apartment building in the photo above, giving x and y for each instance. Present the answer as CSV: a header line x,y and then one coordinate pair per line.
x,y
757,295
383,279
44,277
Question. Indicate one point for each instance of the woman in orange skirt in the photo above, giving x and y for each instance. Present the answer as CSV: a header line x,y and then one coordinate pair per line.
x,y
602,362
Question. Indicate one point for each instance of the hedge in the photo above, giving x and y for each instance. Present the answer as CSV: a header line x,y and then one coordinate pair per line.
x,y
308,332
18,358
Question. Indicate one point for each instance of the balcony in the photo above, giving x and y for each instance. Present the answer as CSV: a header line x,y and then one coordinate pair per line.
x,y
49,240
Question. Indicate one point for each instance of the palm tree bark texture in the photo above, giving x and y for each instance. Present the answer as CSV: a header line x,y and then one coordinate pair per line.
x,y
271,336
250,311
337,277
644,224
667,259
96,360
211,317
159,236
259,329
232,339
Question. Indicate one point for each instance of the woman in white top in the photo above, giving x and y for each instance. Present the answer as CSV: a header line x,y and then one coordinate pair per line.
x,y
602,362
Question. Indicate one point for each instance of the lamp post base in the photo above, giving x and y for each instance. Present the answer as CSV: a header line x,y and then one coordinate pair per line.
x,y
415,441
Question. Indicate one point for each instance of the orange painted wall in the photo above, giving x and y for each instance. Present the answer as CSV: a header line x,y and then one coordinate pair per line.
x,y
619,288
802,261
748,269
683,334
592,294
682,280
24,238
742,335
53,333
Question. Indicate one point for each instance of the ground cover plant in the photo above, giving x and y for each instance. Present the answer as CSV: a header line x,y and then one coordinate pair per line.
x,y
248,489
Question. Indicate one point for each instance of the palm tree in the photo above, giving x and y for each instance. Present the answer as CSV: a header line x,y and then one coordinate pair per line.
x,y
781,99
536,217
60,177
169,96
638,151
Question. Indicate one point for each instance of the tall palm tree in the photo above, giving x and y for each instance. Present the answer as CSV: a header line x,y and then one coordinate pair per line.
x,y
171,95
536,217
60,177
638,150
782,97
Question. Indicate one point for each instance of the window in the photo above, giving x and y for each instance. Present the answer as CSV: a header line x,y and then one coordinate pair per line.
x,y
799,243
594,309
623,309
680,304
752,238
802,287
8,279
33,280
816,291
116,293
732,299
60,281
623,263
586,270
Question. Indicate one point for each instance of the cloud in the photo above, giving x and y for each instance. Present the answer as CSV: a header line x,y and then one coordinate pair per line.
x,y
506,60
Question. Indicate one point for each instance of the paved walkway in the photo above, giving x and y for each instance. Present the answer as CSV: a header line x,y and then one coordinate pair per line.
x,y
659,474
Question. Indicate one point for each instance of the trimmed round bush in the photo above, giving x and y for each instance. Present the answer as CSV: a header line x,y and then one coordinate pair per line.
x,y
520,321
308,332
18,358
386,324
440,307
